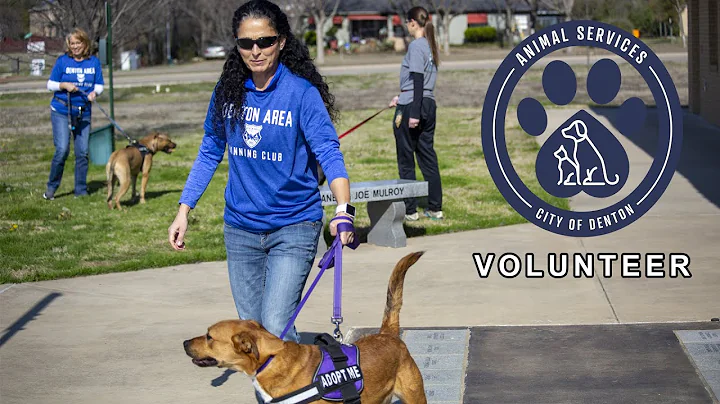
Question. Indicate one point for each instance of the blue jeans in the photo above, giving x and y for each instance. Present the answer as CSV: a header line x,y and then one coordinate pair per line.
x,y
268,272
61,139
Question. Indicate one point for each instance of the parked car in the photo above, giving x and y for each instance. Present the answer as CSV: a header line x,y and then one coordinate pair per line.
x,y
214,52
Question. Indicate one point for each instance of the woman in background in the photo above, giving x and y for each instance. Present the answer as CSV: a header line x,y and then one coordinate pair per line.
x,y
414,123
76,79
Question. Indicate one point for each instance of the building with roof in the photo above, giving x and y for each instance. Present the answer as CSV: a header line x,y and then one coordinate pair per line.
x,y
363,19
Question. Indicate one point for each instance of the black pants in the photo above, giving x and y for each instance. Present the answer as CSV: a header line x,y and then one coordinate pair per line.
x,y
418,140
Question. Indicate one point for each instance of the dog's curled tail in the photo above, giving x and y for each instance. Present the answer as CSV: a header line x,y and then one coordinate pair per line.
x,y
391,319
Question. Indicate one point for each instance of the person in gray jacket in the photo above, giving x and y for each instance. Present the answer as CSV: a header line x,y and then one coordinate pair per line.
x,y
414,123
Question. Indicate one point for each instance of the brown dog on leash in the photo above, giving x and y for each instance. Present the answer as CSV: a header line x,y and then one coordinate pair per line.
x,y
385,362
125,165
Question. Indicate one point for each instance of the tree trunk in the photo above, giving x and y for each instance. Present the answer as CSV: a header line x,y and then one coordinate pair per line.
x,y
446,33
203,38
533,16
320,39
509,26
681,26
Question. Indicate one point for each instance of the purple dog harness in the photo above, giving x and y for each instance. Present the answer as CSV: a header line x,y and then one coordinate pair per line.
x,y
339,372
338,376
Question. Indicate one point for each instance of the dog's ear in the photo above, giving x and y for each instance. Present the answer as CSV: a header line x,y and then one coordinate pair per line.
x,y
245,343
154,143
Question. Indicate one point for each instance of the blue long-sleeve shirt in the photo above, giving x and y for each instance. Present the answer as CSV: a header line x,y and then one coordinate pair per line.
x,y
85,74
273,176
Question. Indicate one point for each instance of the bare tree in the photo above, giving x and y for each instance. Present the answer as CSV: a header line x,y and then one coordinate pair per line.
x,y
506,7
561,6
12,13
680,6
401,8
65,16
533,4
447,10
296,13
131,19
213,19
322,11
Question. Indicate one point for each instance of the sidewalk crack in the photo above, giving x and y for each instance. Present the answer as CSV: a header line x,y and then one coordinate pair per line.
x,y
602,285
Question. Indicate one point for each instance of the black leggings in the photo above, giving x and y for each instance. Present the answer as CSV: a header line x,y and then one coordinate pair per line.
x,y
418,140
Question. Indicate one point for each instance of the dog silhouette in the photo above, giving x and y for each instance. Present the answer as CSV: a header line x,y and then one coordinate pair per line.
x,y
578,133
562,156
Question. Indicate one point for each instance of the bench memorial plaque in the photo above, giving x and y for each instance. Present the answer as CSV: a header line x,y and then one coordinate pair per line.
x,y
385,207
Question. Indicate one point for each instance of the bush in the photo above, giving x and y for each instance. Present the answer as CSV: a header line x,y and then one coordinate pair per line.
x,y
480,34
310,38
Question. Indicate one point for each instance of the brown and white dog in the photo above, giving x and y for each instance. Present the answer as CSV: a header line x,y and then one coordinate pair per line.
x,y
385,361
125,165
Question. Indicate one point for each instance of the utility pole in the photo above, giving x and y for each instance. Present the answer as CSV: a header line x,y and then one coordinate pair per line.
x,y
168,36
108,20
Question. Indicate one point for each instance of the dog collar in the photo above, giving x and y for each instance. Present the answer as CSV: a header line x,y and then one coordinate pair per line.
x,y
142,148
264,365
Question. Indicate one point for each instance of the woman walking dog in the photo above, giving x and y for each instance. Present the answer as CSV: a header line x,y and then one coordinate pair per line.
x,y
414,123
74,73
273,112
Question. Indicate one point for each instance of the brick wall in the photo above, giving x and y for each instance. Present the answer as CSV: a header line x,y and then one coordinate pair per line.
x,y
704,58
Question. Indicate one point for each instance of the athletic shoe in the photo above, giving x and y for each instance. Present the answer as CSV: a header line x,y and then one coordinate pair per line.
x,y
48,196
412,218
434,215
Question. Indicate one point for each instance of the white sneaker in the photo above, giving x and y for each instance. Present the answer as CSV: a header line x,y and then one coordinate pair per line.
x,y
434,215
412,218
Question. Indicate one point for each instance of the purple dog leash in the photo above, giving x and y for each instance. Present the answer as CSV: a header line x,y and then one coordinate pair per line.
x,y
332,257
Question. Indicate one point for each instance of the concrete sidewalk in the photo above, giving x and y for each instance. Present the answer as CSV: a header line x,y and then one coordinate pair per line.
x,y
118,338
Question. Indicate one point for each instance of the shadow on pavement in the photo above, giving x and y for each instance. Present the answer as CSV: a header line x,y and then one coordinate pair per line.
x,y
701,144
29,316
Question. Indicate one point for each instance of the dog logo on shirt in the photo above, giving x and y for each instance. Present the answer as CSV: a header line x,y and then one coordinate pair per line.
x,y
252,135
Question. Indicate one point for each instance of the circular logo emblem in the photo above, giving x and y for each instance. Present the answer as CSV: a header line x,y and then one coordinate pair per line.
x,y
582,154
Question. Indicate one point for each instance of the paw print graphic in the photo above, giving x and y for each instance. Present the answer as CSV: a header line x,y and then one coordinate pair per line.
x,y
582,154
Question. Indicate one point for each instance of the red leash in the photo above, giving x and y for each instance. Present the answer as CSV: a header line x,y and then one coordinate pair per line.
x,y
362,123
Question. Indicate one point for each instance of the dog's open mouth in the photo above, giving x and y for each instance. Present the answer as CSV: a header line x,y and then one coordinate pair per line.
x,y
205,362
169,150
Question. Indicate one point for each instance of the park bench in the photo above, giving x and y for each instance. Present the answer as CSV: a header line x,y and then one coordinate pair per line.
x,y
385,208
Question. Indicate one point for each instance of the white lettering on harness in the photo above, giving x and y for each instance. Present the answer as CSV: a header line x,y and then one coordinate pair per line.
x,y
336,377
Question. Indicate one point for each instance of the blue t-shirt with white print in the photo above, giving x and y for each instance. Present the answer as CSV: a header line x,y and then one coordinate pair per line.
x,y
84,74
273,179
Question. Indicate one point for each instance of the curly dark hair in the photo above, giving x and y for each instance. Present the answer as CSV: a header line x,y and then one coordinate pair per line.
x,y
230,89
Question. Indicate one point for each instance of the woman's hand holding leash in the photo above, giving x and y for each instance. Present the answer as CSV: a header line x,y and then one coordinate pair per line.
x,y
412,122
394,101
69,87
346,237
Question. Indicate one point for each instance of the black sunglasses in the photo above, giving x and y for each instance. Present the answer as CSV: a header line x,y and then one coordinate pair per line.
x,y
262,42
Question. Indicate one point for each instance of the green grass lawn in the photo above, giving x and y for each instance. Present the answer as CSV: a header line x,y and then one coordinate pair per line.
x,y
67,237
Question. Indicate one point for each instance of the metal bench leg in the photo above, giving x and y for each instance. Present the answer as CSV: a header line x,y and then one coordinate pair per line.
x,y
386,223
